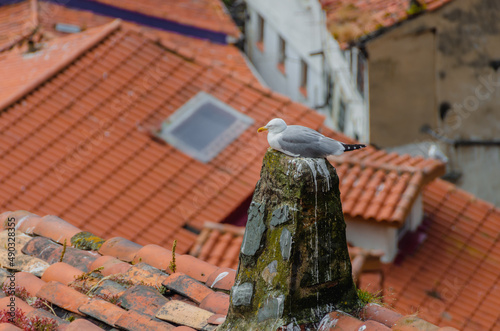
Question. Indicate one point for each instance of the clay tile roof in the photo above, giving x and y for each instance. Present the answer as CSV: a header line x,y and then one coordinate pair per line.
x,y
81,146
50,14
39,66
219,244
453,276
144,295
16,22
379,186
206,14
351,20
451,279
227,57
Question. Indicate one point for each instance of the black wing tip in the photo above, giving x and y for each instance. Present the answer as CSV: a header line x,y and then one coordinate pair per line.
x,y
353,147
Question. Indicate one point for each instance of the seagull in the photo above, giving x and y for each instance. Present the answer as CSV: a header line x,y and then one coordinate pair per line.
x,y
300,141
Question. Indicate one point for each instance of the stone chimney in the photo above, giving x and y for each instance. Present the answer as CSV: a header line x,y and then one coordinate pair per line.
x,y
294,264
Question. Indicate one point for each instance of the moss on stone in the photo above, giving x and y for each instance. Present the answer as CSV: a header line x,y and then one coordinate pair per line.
x,y
415,8
316,278
86,241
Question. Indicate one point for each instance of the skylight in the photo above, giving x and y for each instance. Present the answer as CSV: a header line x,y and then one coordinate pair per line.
x,y
204,126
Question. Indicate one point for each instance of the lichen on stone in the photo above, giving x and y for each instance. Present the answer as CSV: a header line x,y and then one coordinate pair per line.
x,y
294,254
86,241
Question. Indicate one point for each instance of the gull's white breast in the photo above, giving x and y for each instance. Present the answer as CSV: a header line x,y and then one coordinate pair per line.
x,y
273,140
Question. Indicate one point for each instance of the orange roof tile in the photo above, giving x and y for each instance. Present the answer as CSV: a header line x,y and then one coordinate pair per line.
x,y
351,20
206,14
217,55
17,21
80,145
375,188
141,297
39,66
453,276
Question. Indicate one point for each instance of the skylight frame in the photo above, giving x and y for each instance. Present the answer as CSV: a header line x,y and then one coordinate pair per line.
x,y
224,139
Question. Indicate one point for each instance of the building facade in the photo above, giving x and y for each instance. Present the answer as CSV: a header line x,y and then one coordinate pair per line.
x,y
296,55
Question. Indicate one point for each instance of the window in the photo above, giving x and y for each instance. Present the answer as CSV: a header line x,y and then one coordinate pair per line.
x,y
204,126
341,118
260,32
67,28
281,55
361,73
303,77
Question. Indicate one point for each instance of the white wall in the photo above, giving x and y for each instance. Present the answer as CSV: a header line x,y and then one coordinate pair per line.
x,y
294,23
301,23
373,236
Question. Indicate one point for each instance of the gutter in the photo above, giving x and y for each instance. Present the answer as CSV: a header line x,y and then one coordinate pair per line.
x,y
459,142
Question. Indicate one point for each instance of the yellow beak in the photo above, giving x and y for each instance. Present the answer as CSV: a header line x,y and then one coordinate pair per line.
x,y
262,129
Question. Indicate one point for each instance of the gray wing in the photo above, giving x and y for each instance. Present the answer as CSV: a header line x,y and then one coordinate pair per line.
x,y
308,143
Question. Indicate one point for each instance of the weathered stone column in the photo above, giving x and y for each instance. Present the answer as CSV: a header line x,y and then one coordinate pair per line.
x,y
294,265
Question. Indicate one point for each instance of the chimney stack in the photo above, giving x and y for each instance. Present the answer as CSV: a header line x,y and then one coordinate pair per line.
x,y
294,264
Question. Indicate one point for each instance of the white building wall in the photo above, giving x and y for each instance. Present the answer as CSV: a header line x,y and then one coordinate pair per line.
x,y
292,21
301,23
373,236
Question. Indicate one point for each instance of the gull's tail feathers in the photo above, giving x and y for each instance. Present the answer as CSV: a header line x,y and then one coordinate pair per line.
x,y
348,148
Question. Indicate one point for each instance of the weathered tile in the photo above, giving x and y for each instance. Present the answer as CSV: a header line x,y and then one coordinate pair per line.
x,y
182,313
29,282
120,248
216,302
143,299
195,268
82,324
155,256
145,274
42,313
62,273
63,296
55,228
102,311
110,265
132,321
86,241
222,279
24,263
187,286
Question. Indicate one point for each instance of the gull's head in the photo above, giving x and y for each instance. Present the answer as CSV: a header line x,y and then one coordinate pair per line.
x,y
276,125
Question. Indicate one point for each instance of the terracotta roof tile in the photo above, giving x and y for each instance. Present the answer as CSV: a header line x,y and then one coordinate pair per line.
x,y
456,264
353,19
187,286
102,197
462,247
132,320
377,186
61,272
102,311
16,22
143,299
63,296
8,327
120,248
81,324
182,313
134,298
18,303
40,66
216,302
223,278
